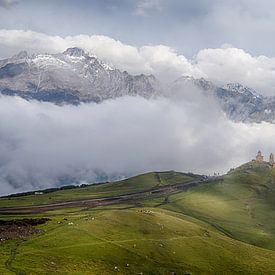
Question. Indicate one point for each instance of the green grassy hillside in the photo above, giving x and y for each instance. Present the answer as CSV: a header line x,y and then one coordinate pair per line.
x,y
242,206
134,184
225,227
134,241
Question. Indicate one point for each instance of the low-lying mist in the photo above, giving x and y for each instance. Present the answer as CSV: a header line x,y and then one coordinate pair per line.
x,y
43,145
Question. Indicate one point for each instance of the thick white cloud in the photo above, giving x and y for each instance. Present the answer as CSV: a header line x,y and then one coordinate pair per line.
x,y
235,65
167,64
222,65
35,41
41,143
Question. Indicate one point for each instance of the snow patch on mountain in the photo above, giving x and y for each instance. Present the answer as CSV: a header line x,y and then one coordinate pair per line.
x,y
75,76
238,88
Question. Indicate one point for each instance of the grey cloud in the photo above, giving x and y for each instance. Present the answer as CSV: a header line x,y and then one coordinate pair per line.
x,y
7,3
42,144
186,25
145,6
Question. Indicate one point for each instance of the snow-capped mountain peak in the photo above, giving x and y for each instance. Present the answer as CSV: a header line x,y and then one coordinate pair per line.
x,y
76,76
77,52
69,77
238,88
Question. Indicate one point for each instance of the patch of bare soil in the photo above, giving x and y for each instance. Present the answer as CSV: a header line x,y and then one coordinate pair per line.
x,y
19,229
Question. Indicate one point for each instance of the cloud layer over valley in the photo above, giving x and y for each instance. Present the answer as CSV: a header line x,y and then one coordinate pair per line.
x,y
42,144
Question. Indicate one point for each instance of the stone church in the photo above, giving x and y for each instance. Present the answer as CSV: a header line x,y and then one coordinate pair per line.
x,y
260,158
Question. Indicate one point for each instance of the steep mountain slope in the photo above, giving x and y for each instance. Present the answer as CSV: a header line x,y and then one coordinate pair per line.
x,y
239,103
69,77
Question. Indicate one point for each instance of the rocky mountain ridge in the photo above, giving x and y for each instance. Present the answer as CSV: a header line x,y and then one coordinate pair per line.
x,y
240,103
74,76
69,77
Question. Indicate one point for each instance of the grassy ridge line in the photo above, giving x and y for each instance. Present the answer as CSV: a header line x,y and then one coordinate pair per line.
x,y
134,184
151,193
243,205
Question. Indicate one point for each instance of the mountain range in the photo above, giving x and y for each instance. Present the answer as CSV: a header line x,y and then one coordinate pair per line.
x,y
74,76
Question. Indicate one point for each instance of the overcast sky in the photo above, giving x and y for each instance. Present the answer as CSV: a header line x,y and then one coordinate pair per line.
x,y
187,26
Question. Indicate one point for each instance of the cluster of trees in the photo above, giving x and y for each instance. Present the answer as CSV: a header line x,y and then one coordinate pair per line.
x,y
45,191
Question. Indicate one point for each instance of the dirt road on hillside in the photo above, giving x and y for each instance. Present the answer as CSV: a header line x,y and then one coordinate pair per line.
x,y
90,203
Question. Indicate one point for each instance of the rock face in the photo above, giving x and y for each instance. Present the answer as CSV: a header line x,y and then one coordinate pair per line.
x,y
240,103
69,77
74,76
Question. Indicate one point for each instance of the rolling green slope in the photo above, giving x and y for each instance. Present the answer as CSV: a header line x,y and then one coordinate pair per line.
x,y
134,241
225,227
242,206
134,184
